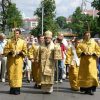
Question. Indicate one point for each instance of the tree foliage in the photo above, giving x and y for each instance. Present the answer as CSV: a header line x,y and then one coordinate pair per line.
x,y
11,16
62,22
96,4
49,22
14,17
77,22
3,16
83,22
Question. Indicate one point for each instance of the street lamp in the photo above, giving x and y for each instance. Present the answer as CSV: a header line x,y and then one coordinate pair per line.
x,y
42,16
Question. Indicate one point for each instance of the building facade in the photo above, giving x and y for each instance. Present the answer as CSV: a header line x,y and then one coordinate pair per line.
x,y
30,23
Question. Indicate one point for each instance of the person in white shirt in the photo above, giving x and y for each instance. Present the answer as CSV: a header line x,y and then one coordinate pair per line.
x,y
3,59
65,43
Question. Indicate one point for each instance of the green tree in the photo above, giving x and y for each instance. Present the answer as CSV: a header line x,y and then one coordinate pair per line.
x,y
96,4
83,22
14,17
3,16
10,15
95,28
49,22
77,22
62,22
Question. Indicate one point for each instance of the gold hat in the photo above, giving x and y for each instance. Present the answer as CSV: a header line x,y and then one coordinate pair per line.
x,y
48,34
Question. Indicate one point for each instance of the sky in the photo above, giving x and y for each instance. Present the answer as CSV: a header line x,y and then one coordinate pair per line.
x,y
63,7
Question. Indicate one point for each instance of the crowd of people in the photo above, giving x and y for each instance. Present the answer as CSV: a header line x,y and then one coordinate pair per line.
x,y
46,60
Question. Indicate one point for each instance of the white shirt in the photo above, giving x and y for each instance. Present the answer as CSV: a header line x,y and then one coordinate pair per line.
x,y
2,45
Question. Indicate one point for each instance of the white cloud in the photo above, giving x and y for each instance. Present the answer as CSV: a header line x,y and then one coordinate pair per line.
x,y
63,7
75,3
61,11
58,2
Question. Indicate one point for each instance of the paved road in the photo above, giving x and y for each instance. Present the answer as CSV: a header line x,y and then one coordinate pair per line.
x,y
63,92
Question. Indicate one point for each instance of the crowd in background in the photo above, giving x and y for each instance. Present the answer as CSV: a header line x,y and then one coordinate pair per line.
x,y
46,60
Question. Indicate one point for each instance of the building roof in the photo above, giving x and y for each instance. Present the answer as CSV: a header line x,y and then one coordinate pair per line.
x,y
69,19
91,12
30,19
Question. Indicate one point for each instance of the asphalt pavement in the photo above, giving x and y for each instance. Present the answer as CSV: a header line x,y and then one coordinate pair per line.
x,y
62,91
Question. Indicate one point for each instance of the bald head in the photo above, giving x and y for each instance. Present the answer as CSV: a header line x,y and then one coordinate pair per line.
x,y
60,37
2,36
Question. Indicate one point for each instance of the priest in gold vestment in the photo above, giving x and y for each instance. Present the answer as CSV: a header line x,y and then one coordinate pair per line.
x,y
15,50
33,54
48,54
73,63
88,51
